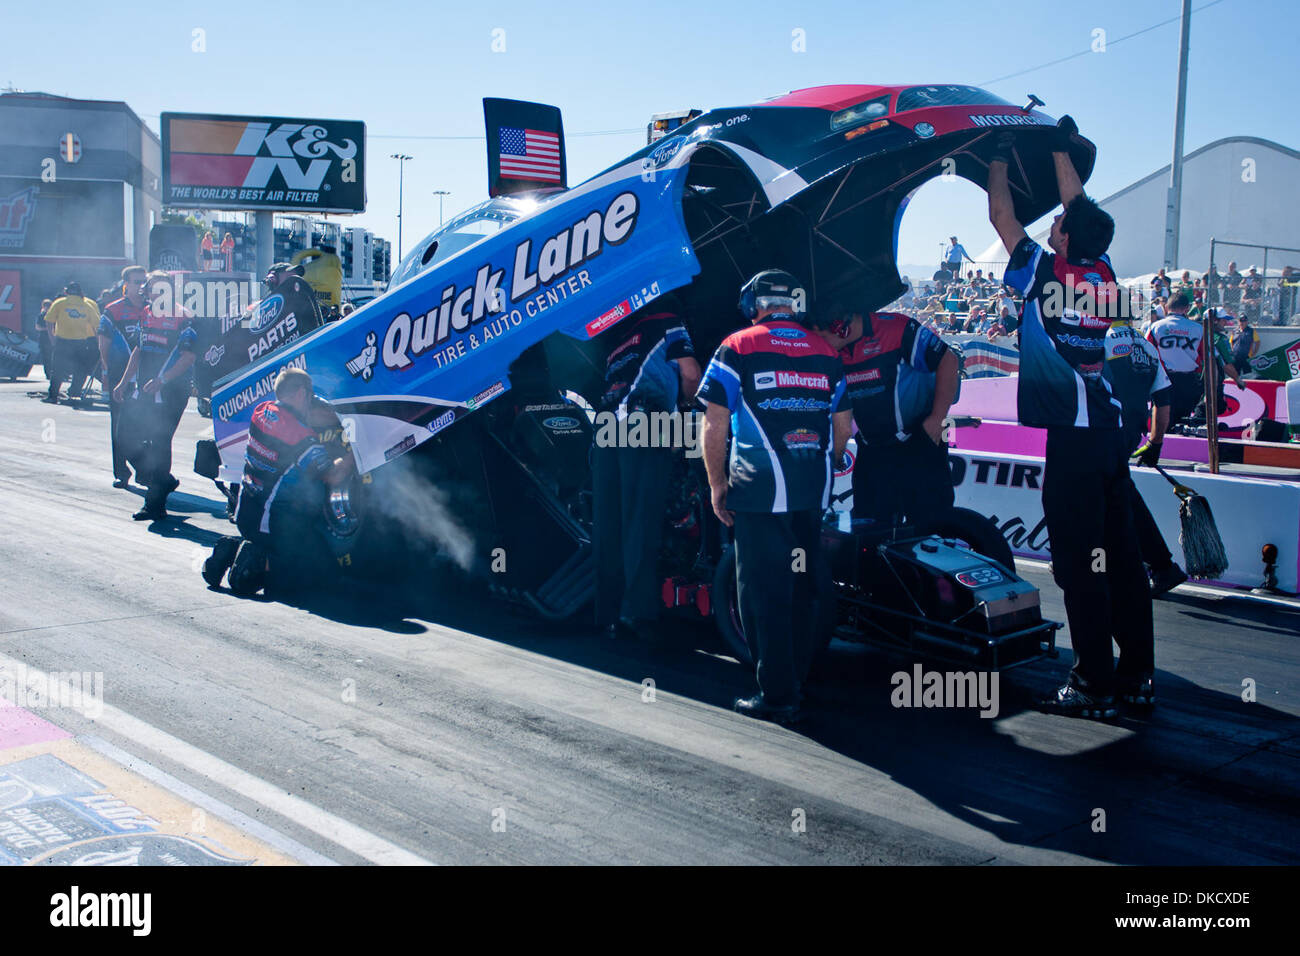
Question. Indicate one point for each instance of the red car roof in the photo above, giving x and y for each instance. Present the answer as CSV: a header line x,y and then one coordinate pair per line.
x,y
831,97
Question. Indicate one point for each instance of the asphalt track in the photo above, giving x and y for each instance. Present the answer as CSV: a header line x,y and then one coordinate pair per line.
x,y
439,727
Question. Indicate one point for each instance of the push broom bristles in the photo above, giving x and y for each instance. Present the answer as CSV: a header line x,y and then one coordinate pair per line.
x,y
1203,549
1202,546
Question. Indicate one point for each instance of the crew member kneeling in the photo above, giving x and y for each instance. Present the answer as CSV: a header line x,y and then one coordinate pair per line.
x,y
901,380
777,390
285,465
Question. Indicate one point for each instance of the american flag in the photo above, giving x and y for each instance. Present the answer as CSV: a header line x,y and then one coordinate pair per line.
x,y
530,154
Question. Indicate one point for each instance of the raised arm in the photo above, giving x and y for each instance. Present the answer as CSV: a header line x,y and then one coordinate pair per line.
x,y
1067,177
1002,209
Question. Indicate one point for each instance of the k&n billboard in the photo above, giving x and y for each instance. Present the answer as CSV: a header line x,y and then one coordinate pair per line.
x,y
261,162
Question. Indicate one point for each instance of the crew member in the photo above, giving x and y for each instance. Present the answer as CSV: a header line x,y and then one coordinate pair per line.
x,y
155,387
1070,298
1139,381
901,380
73,321
1180,342
283,461
650,369
287,280
119,333
776,389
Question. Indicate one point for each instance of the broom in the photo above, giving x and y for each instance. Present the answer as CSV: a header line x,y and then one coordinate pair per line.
x,y
1202,547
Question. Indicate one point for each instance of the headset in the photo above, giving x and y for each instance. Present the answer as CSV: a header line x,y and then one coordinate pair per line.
x,y
776,288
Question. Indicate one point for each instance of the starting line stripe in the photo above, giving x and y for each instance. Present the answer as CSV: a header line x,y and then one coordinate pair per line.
x,y
335,829
243,821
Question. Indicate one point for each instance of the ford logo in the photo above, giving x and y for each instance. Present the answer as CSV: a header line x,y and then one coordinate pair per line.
x,y
788,333
560,423
267,312
662,154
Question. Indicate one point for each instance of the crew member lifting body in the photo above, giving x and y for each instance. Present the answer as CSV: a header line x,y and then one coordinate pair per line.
x,y
119,333
155,388
901,380
1070,298
777,390
651,366
1139,380
283,461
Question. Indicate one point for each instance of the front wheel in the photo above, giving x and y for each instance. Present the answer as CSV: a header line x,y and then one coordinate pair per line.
x,y
726,611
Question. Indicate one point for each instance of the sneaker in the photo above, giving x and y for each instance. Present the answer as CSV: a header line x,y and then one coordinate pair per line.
x,y
1141,694
1162,582
1070,701
171,483
757,707
248,572
150,514
121,482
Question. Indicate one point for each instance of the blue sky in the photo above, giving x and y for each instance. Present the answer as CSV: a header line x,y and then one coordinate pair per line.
x,y
420,70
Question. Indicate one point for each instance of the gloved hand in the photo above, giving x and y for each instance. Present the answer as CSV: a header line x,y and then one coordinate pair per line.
x,y
1002,147
1148,456
1065,128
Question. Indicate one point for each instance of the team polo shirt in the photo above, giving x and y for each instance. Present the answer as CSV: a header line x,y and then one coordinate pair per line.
x,y
640,372
1181,344
1137,377
1063,339
281,447
73,317
120,323
162,340
782,383
889,375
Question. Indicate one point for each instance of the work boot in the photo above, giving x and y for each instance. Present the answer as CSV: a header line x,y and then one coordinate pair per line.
x,y
1072,701
757,707
248,573
219,562
1138,694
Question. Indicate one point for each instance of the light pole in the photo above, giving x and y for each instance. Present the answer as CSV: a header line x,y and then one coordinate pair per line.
x,y
440,193
401,168
1174,202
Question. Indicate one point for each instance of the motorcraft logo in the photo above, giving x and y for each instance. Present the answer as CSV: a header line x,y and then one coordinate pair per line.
x,y
16,212
819,383
460,320
868,375
1006,119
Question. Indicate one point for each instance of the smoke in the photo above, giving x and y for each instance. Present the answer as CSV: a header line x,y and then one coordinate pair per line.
x,y
422,510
